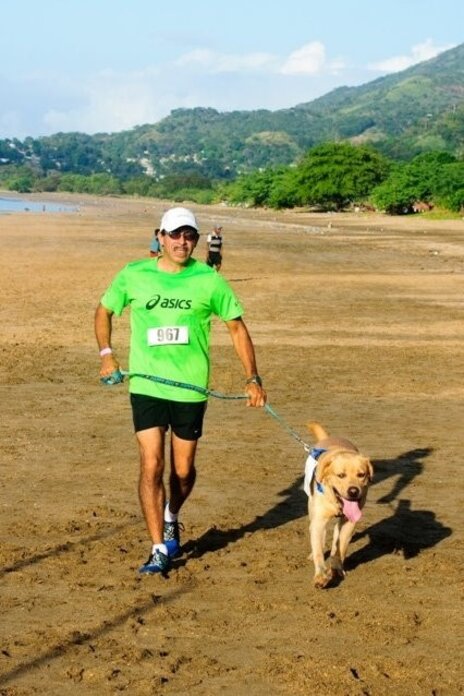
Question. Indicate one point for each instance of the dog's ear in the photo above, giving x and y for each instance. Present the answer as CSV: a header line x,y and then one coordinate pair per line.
x,y
370,468
323,466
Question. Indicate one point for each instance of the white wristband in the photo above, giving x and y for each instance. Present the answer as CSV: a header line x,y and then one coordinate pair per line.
x,y
105,351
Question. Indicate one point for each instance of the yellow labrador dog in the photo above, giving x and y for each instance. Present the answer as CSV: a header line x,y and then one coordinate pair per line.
x,y
337,476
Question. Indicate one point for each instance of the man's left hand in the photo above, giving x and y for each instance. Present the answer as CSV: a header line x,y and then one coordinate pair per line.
x,y
257,396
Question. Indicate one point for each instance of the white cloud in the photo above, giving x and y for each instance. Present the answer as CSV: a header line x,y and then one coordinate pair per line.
x,y
214,62
112,102
308,60
419,53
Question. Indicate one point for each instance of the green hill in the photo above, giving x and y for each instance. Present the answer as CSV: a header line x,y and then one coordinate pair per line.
x,y
416,106
417,110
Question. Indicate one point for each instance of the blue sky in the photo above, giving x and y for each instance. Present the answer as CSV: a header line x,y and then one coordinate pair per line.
x,y
109,65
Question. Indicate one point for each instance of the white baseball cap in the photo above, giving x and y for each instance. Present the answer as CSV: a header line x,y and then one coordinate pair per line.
x,y
178,217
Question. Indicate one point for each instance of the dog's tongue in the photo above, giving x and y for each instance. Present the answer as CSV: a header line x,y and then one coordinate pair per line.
x,y
351,510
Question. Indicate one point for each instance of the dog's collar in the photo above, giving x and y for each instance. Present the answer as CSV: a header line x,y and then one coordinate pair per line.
x,y
315,453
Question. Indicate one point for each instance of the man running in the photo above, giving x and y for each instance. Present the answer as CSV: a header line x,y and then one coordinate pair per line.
x,y
155,246
172,298
214,248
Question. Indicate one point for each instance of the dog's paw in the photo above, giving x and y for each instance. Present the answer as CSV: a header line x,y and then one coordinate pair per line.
x,y
337,568
324,578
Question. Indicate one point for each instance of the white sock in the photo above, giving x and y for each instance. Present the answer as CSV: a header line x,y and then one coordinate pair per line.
x,y
160,547
168,515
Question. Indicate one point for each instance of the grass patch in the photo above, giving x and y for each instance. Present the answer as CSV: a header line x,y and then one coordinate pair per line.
x,y
442,214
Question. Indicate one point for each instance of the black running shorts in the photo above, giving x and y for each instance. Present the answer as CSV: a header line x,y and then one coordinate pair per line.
x,y
214,258
185,418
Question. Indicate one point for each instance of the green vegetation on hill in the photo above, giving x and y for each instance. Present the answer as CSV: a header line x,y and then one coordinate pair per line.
x,y
334,176
331,176
269,158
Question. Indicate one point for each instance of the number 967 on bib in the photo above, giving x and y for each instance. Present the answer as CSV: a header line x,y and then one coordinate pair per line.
x,y
167,335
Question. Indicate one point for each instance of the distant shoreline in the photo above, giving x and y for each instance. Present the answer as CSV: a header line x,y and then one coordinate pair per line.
x,y
16,203
84,203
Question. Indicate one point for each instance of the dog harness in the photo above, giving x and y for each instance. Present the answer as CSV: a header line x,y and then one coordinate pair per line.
x,y
310,469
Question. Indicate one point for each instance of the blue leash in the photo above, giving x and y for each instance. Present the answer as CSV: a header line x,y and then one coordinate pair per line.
x,y
286,427
173,383
118,377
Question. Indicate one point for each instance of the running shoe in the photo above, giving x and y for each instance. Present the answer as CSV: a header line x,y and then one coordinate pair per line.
x,y
157,562
172,538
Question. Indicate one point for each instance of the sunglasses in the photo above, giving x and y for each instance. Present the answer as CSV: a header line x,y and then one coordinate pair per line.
x,y
189,235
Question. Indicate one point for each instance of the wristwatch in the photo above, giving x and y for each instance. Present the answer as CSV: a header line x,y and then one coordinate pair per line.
x,y
255,379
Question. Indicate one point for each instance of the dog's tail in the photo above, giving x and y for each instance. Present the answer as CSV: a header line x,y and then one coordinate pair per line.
x,y
317,430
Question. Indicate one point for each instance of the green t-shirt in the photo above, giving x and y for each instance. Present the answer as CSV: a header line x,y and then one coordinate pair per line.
x,y
170,323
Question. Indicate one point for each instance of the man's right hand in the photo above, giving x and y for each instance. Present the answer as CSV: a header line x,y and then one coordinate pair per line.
x,y
109,364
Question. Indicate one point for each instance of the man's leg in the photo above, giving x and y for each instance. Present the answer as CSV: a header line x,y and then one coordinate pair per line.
x,y
181,482
151,486
183,472
187,424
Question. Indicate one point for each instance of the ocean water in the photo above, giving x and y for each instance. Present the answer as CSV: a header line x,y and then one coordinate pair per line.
x,y
18,205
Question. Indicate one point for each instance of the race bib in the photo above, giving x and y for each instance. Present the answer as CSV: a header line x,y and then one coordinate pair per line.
x,y
168,335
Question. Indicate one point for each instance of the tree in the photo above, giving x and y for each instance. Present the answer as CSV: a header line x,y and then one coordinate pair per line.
x,y
395,195
23,183
449,187
430,177
334,175
283,192
251,189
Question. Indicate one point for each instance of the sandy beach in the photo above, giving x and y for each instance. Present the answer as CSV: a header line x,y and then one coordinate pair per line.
x,y
358,322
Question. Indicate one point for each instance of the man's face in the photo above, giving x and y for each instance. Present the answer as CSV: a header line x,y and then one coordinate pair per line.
x,y
179,244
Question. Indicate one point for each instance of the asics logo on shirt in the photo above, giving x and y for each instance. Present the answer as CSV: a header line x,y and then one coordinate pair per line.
x,y
168,303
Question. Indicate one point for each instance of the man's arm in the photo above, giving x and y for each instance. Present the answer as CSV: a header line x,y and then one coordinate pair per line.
x,y
245,350
103,328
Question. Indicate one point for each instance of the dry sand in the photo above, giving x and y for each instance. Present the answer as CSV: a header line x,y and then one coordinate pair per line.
x,y
358,323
